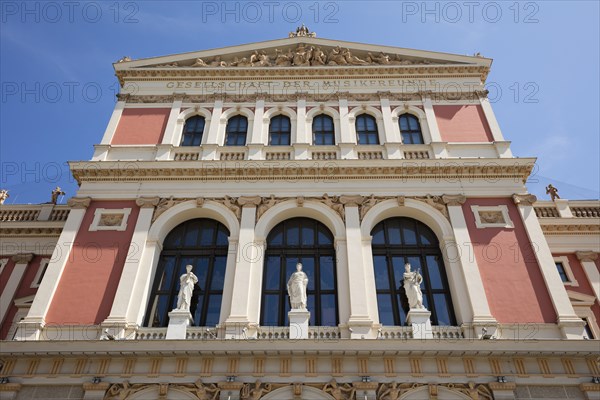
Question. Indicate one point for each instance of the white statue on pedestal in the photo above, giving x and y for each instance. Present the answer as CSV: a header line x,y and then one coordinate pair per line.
x,y
187,282
412,286
296,286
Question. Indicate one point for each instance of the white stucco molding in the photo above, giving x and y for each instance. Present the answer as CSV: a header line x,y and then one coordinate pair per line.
x,y
230,113
273,112
310,209
190,210
564,260
372,111
98,224
330,111
188,113
417,112
505,223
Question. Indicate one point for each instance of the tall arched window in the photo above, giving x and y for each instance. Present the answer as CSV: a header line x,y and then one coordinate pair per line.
x,y
366,129
307,241
192,131
397,241
237,127
410,129
203,244
280,130
323,132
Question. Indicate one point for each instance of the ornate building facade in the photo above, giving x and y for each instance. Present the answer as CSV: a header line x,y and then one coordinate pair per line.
x,y
351,159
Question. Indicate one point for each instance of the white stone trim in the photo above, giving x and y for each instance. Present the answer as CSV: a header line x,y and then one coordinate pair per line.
x,y
99,212
35,283
417,112
581,305
372,111
11,287
501,208
115,118
224,120
567,267
274,111
3,262
183,116
330,111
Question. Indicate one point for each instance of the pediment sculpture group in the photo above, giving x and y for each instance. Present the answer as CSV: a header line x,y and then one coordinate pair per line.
x,y
302,55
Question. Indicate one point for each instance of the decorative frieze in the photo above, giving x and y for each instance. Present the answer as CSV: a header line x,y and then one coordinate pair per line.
x,y
524,199
79,202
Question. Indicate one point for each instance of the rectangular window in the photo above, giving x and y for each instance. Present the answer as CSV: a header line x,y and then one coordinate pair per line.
x,y
561,271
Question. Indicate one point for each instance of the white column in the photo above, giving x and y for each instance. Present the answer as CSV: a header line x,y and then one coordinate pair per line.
x,y
434,130
113,122
490,116
118,319
347,138
392,135
587,259
210,143
361,322
571,325
256,141
302,137
245,284
482,316
30,327
7,296
141,289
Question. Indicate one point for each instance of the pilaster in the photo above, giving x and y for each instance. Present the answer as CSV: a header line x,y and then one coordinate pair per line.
x,y
30,327
570,324
434,130
111,128
587,259
8,293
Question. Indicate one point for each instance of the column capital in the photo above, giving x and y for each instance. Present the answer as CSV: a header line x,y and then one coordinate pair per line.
x,y
22,258
524,199
586,255
79,202
351,201
249,201
147,202
454,199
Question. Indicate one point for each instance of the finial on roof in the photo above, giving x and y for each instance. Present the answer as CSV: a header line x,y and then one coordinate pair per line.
x,y
124,59
3,195
302,31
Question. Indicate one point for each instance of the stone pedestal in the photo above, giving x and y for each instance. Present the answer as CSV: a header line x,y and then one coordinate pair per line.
x,y
179,320
420,321
299,324
95,391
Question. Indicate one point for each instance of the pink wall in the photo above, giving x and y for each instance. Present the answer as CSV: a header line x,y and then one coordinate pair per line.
x,y
585,286
141,126
5,275
89,282
513,282
24,289
462,123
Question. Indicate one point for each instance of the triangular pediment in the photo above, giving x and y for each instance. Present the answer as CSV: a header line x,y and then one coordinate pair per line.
x,y
301,52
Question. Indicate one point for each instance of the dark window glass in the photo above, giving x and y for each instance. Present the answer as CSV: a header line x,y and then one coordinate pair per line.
x,y
307,241
323,132
588,330
410,129
397,241
366,129
197,242
280,131
561,271
237,128
192,131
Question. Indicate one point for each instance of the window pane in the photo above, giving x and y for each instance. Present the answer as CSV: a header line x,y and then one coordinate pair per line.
x,y
310,304
214,308
308,236
328,310
398,265
378,237
393,232
433,267
218,274
222,237
191,235
441,309
270,309
324,237
308,266
386,313
206,235
201,271
293,235
382,280
167,273
561,271
273,269
408,231
327,275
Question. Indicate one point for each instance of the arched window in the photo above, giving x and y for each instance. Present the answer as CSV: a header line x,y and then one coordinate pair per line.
x,y
366,129
237,127
307,241
199,242
280,131
410,129
397,241
192,131
323,133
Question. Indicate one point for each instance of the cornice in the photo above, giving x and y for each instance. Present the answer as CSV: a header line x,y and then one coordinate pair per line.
x,y
587,256
572,229
301,170
29,232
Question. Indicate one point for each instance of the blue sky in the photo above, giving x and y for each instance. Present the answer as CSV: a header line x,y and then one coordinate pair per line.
x,y
58,84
